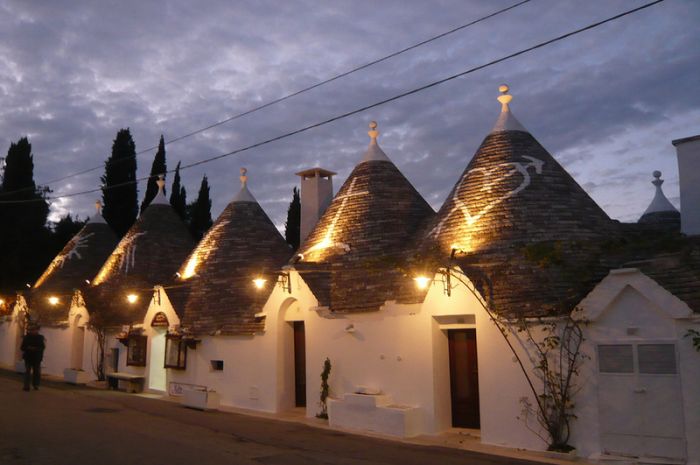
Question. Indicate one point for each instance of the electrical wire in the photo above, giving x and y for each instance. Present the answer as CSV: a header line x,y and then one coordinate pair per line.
x,y
282,99
367,107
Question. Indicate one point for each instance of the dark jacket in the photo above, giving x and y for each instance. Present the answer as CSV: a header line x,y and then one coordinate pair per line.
x,y
33,346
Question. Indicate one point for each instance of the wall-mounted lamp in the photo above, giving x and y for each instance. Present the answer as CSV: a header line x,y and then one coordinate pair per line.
x,y
259,282
285,282
53,300
132,298
422,282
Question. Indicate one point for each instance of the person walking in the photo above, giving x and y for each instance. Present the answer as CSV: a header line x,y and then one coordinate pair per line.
x,y
33,346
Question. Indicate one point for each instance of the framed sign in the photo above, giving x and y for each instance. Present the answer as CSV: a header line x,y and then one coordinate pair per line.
x,y
136,351
175,352
160,320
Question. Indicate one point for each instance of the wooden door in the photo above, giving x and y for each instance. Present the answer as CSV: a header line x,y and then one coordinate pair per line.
x,y
464,378
299,364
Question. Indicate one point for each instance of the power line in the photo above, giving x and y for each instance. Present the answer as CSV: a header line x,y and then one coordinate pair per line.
x,y
286,97
373,105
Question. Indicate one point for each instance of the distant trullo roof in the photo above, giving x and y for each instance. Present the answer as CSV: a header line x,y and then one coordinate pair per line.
x,y
347,258
660,211
72,269
513,203
217,277
148,255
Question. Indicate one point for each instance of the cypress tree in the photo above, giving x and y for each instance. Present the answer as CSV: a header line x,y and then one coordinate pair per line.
x,y
200,211
121,204
293,224
23,233
178,195
159,167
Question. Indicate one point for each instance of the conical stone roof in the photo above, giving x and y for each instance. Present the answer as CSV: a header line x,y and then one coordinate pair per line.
x,y
351,256
242,245
148,255
517,219
513,191
71,269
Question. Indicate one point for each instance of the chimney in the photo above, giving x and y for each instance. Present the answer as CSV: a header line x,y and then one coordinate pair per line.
x,y
316,194
688,151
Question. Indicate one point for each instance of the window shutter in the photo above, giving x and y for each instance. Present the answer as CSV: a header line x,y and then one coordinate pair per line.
x,y
615,358
657,359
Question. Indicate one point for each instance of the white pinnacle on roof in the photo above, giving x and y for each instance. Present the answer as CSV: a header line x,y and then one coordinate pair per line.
x,y
374,152
506,120
160,199
660,203
244,194
97,217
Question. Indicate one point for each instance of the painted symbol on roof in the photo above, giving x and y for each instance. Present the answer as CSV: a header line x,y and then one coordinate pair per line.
x,y
74,252
128,258
327,241
513,168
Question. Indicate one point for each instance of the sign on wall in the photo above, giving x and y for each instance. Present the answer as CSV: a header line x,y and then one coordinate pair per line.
x,y
160,320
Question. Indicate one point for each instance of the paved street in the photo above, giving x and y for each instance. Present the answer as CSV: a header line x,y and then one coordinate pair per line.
x,y
61,424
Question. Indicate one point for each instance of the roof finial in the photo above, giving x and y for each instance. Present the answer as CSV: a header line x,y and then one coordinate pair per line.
x,y
504,98
98,207
373,133
243,177
657,178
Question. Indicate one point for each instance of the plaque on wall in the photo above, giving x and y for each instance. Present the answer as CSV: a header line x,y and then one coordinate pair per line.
x,y
160,320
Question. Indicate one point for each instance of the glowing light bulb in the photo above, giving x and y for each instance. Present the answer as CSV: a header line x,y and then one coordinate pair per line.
x,y
132,298
2,301
53,300
259,282
421,282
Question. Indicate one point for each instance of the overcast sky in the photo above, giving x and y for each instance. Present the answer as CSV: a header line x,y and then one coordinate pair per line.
x,y
606,103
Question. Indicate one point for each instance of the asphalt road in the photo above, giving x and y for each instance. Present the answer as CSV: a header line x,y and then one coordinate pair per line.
x,y
62,424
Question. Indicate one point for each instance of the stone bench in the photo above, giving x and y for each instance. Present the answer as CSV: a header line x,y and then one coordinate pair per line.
x,y
374,412
126,382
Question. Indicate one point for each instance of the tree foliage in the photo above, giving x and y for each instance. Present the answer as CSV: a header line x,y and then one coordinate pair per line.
x,y
292,226
158,167
119,192
178,195
24,237
200,211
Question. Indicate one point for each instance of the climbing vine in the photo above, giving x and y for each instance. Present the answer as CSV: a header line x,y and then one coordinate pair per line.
x,y
325,389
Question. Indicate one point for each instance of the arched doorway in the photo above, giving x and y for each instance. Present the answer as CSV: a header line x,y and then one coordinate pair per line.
x,y
156,364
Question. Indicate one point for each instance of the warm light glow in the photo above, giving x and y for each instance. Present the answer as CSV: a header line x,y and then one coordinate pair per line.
x,y
421,282
259,282
53,300
132,298
190,268
2,302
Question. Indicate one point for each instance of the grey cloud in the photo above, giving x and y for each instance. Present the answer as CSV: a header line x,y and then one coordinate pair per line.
x,y
599,99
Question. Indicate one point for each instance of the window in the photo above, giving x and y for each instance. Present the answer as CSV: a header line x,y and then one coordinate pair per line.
x,y
657,359
615,358
217,365
175,352
645,359
136,351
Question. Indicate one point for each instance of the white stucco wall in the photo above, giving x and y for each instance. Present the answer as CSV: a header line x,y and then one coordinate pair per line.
x,y
11,335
